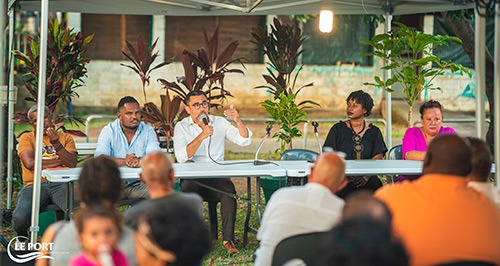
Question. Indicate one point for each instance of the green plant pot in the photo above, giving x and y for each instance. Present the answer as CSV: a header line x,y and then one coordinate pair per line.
x,y
270,184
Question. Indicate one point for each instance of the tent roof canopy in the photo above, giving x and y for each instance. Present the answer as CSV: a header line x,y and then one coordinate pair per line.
x,y
243,7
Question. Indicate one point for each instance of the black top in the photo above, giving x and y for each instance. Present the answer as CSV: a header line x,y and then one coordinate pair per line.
x,y
340,138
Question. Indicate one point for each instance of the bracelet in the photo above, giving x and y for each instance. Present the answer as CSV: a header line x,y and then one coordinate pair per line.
x,y
58,147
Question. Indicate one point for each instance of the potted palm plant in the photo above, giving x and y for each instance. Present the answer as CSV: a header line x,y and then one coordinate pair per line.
x,y
408,54
66,68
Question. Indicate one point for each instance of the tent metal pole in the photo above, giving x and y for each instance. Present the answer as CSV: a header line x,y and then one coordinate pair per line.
x,y
3,12
10,122
388,95
496,95
40,117
480,67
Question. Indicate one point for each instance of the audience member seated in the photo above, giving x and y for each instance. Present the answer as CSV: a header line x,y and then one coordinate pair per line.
x,y
363,204
99,184
158,175
358,139
99,229
416,139
440,219
303,209
361,240
172,236
127,140
481,170
201,137
58,151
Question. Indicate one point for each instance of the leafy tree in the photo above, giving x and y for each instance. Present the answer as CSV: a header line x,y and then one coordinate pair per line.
x,y
408,54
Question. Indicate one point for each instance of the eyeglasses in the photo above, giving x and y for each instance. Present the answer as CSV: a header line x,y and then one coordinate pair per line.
x,y
197,106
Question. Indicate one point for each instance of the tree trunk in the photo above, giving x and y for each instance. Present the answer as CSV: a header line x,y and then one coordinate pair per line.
x,y
410,114
463,30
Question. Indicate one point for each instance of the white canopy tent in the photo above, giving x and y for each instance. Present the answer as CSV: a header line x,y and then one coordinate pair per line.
x,y
260,7
242,7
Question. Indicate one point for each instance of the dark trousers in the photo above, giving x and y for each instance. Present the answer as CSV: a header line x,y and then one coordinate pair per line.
x,y
373,184
50,193
227,203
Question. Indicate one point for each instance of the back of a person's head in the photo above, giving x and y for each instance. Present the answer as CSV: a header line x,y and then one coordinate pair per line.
x,y
179,231
361,241
449,155
481,160
156,167
363,204
99,181
329,170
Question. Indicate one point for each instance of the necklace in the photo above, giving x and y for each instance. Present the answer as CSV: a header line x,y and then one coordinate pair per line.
x,y
356,138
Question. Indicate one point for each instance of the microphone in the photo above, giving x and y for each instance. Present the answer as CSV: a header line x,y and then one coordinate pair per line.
x,y
203,117
256,161
315,125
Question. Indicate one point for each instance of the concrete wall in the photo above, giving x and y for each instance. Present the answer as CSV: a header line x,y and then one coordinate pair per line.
x,y
108,81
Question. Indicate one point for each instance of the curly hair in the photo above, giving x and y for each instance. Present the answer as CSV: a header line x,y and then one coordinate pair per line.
x,y
428,105
362,98
100,182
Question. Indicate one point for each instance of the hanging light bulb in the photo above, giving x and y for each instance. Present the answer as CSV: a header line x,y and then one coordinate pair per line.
x,y
326,21
326,17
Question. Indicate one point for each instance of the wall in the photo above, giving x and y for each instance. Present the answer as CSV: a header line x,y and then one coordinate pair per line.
x,y
108,82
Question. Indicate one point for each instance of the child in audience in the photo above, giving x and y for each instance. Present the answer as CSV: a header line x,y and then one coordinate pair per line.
x,y
98,232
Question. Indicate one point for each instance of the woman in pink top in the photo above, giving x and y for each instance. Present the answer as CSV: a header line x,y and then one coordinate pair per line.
x,y
416,139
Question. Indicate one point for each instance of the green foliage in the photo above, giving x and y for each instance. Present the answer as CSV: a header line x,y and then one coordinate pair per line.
x,y
408,54
288,115
282,47
66,68
142,59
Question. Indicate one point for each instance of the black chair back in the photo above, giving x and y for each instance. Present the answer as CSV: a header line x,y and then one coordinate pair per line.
x,y
303,247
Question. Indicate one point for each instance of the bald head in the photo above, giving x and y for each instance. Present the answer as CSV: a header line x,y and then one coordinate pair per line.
x,y
157,168
449,155
329,171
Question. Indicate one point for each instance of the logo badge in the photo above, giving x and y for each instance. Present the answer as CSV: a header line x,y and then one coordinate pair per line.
x,y
25,251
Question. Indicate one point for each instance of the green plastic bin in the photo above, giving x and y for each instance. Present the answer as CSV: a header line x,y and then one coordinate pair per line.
x,y
270,184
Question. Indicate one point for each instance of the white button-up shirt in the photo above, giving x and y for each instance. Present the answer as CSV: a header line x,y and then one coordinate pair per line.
x,y
187,130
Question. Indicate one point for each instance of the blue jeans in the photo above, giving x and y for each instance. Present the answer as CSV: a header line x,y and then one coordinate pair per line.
x,y
50,193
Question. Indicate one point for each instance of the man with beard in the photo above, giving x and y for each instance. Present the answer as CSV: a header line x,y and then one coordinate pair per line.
x,y
127,140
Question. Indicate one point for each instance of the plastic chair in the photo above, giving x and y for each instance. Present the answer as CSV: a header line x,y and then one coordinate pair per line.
x,y
395,153
303,247
298,155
